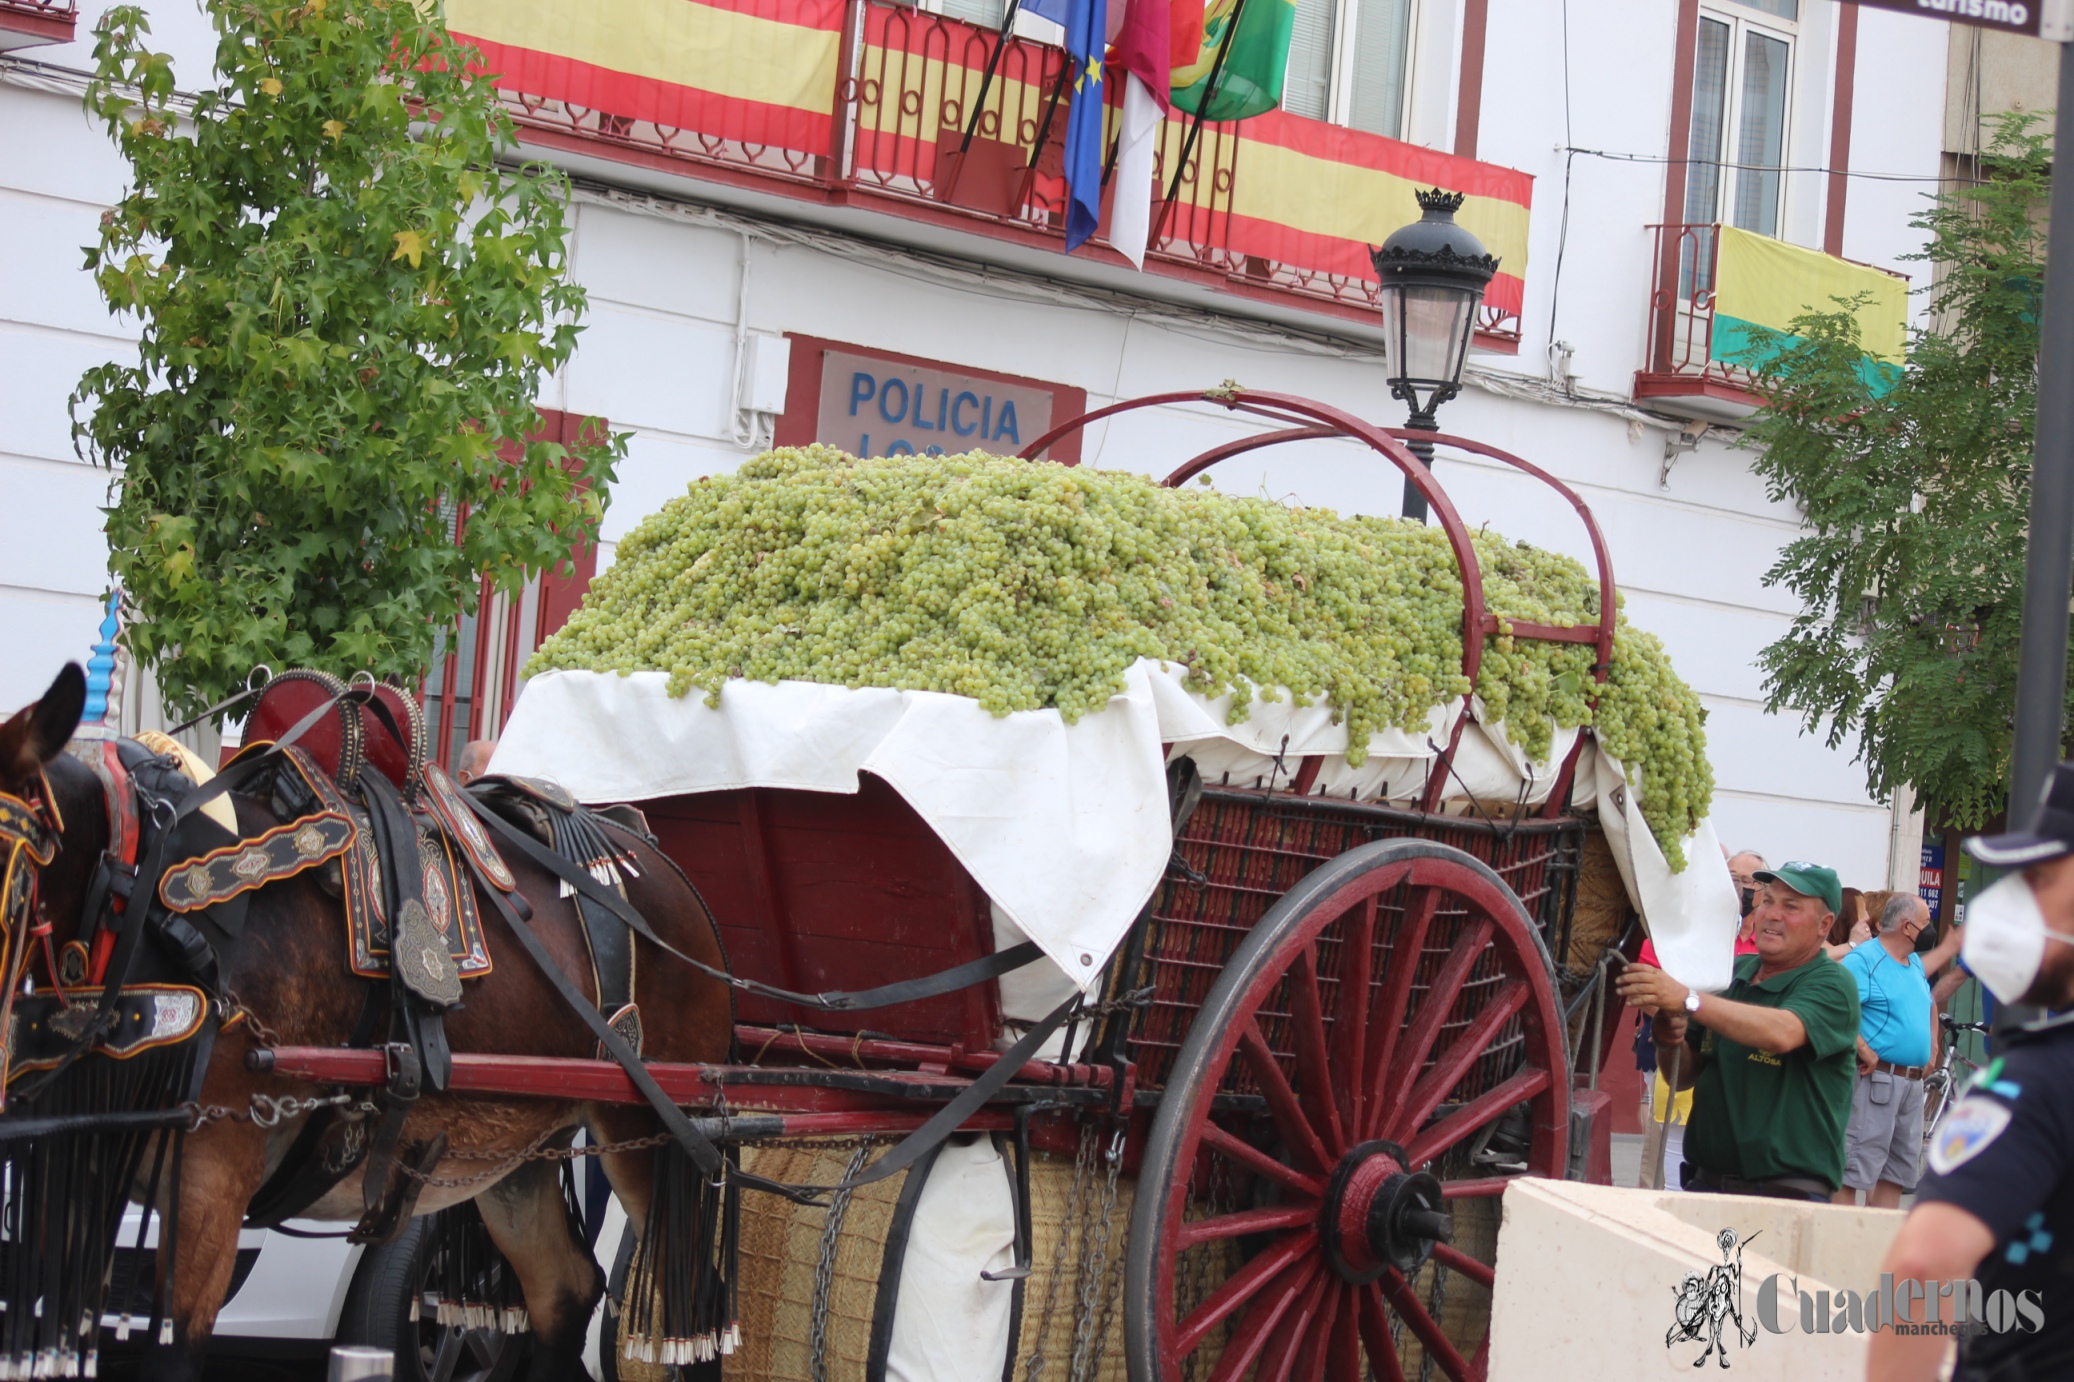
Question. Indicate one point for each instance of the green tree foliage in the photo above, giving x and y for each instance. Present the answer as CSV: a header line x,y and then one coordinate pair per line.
x,y
347,307
1910,575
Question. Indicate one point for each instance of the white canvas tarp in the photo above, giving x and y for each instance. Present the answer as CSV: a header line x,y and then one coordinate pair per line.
x,y
1065,826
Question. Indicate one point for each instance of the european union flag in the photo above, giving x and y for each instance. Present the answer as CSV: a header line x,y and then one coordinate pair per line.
x,y
1086,23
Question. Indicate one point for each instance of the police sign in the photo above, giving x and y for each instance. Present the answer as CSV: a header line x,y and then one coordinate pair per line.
x,y
877,407
2053,19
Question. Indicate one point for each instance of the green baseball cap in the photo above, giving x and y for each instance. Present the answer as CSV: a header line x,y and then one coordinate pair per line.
x,y
1811,879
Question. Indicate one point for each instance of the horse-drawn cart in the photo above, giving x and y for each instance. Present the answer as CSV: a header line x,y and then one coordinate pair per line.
x,y
1264,1133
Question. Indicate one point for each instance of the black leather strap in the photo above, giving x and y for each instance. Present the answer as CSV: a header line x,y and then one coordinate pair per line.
x,y
608,937
951,980
885,1306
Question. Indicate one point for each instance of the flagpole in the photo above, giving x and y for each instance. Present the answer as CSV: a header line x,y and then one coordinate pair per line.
x,y
1051,106
1195,126
986,80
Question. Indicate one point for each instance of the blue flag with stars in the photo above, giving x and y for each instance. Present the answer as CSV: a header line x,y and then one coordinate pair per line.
x,y
1085,22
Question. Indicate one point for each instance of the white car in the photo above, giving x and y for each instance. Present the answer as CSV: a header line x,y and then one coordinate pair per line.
x,y
293,1296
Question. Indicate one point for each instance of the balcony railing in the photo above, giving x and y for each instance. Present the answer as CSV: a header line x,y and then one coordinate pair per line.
x,y
1681,311
928,120
28,23
1699,350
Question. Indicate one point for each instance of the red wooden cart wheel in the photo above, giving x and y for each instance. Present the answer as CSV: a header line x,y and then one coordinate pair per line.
x,y
1354,1076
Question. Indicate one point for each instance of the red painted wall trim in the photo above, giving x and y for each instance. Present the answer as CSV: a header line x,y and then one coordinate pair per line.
x,y
36,25
1681,110
1840,126
803,390
1683,58
1476,17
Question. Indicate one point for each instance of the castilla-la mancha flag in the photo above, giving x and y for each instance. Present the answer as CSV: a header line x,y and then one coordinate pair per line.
x,y
1141,54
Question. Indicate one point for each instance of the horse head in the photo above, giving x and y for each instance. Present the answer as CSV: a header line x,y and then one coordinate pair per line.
x,y
53,823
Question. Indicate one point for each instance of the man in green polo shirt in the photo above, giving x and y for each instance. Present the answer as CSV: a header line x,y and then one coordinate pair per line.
x,y
1772,1060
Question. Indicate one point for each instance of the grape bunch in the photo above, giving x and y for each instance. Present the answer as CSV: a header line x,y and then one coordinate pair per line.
x,y
1029,585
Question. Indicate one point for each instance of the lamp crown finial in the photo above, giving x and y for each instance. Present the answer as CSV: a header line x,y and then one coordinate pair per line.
x,y
1439,199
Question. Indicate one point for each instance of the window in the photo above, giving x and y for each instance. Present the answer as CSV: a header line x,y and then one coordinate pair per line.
x,y
1738,143
1350,63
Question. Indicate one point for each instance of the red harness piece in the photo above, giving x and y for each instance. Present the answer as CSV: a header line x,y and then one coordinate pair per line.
x,y
121,857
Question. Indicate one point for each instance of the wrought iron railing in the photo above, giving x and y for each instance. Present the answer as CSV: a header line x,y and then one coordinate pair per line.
x,y
919,119
1681,307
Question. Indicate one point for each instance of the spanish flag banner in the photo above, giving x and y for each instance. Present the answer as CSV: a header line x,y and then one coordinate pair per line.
x,y
1760,282
1315,197
758,71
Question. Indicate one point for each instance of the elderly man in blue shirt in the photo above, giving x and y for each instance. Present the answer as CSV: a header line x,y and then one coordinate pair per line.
x,y
1883,1146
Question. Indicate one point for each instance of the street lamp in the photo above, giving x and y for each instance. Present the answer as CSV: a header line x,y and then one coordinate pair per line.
x,y
1433,275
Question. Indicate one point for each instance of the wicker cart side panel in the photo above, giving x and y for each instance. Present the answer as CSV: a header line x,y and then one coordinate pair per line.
x,y
1246,850
780,1249
1602,909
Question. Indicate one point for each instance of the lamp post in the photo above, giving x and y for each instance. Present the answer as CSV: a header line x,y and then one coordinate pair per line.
x,y
1433,275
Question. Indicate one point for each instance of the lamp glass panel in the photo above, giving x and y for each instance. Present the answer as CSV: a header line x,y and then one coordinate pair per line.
x,y
1434,320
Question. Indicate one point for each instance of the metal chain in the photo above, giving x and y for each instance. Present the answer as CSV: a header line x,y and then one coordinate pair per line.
x,y
234,1007
266,1111
1434,1298
824,1269
504,1162
1097,1283
1083,1167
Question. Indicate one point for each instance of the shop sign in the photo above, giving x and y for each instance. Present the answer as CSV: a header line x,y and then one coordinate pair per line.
x,y
2038,18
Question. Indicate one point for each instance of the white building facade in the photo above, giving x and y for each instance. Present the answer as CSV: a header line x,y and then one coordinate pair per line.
x,y
738,288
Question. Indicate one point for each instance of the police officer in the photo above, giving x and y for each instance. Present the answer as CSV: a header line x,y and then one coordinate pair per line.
x,y
1998,1204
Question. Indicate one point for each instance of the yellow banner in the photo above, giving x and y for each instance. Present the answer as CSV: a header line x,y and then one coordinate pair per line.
x,y
1768,282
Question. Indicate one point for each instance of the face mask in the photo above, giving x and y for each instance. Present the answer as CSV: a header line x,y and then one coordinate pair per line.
x,y
1749,901
2005,938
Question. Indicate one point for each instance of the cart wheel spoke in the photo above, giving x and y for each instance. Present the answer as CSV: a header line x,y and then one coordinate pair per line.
x,y
1315,1354
1260,1162
1434,1008
1287,1336
1474,1114
1257,1330
1282,1101
1375,1336
1313,1064
1458,1261
1250,1221
1386,1024
1435,1341
1241,1287
1343,1357
1350,1026
1467,1050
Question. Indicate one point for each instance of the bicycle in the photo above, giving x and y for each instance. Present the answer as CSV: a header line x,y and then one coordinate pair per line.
x,y
1951,1075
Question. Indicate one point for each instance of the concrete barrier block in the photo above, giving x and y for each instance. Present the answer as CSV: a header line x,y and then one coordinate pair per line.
x,y
1589,1283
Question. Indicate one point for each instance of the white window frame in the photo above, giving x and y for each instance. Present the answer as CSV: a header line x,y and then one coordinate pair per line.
x,y
1741,20
1339,100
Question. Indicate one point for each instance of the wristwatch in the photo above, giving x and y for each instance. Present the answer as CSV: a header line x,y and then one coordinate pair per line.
x,y
1692,1001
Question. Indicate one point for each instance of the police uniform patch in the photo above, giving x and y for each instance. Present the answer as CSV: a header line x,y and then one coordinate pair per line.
x,y
1966,1132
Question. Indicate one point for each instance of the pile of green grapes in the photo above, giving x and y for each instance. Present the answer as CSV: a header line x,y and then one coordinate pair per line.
x,y
1028,585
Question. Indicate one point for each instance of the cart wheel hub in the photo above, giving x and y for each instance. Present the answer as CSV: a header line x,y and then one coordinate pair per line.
x,y
1378,1215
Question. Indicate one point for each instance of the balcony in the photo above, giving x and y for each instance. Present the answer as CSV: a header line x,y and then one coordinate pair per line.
x,y
32,23
1715,283
877,106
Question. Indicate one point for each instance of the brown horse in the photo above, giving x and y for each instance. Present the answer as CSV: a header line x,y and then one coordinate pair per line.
x,y
288,971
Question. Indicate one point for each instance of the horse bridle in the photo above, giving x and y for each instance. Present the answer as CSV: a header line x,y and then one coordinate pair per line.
x,y
29,829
